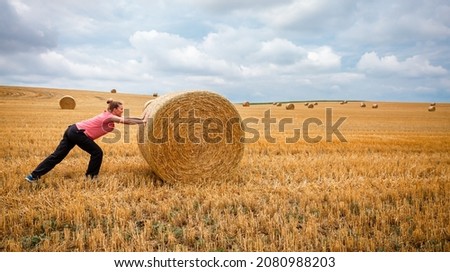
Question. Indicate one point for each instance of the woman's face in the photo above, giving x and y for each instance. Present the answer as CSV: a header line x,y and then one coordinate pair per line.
x,y
118,111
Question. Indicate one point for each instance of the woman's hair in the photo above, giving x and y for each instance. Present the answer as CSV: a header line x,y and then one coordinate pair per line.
x,y
113,104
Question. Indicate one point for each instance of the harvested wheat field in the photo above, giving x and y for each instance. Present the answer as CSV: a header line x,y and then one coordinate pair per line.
x,y
377,181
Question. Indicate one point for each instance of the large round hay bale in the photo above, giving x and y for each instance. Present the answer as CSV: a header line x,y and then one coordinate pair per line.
x,y
113,91
311,106
375,106
431,108
191,136
147,103
67,102
290,106
363,105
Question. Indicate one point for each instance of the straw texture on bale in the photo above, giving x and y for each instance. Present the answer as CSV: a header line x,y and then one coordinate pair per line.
x,y
431,108
290,106
191,136
147,103
67,102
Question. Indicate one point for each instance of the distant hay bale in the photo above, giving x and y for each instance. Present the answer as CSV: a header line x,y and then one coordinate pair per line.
x,y
246,104
433,104
431,108
375,106
315,103
155,94
306,104
342,102
290,106
191,136
310,106
363,105
67,102
113,91
279,104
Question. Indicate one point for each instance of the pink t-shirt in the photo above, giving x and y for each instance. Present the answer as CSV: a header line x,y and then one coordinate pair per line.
x,y
97,126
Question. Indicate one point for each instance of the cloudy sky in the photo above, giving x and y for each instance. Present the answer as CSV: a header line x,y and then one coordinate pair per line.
x,y
256,50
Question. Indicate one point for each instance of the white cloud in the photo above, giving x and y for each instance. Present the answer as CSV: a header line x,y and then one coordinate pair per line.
x,y
153,43
18,33
224,6
279,51
323,57
236,44
415,66
310,15
284,58
19,7
57,64
251,58
176,54
397,23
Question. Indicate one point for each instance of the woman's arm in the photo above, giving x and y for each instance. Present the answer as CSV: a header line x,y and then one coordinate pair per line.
x,y
128,120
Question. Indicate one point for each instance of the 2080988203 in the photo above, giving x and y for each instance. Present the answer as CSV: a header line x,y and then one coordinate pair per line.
x,y
296,262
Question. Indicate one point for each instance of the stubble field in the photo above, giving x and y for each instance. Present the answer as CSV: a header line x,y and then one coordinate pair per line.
x,y
385,189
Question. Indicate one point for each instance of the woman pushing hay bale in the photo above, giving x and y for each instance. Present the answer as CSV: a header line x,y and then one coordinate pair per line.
x,y
194,135
67,102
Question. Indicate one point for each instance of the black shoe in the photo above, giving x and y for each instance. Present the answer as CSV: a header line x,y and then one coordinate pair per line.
x,y
30,178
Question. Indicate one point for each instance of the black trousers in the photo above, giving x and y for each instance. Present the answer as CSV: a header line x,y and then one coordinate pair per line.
x,y
72,136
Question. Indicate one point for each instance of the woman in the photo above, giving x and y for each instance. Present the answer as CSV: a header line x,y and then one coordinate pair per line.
x,y
83,135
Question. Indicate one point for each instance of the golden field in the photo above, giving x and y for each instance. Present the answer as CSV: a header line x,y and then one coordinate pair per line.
x,y
385,189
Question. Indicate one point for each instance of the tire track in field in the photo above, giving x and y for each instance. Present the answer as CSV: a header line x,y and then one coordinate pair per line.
x,y
13,93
